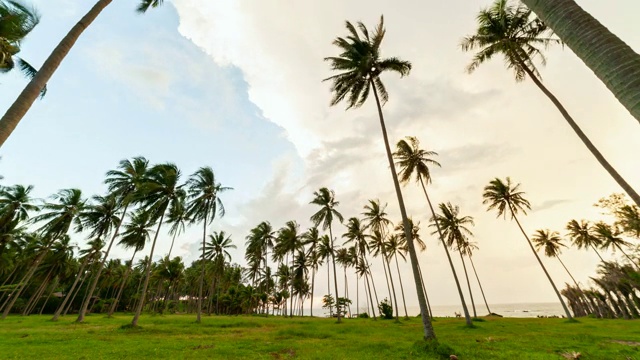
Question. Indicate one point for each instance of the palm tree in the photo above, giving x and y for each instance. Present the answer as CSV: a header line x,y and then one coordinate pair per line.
x,y
609,237
355,235
512,32
582,236
467,249
413,161
325,252
217,249
504,197
326,199
61,215
288,242
135,235
178,219
359,65
15,203
613,61
157,193
17,22
203,205
259,241
455,231
21,105
393,247
123,184
629,220
552,245
312,238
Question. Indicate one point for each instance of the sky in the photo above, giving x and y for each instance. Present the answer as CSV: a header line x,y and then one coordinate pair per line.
x,y
237,85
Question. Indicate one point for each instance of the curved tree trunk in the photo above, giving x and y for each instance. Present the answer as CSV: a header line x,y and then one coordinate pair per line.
x,y
143,294
583,137
479,284
446,249
204,239
404,301
21,105
426,295
114,305
335,277
85,303
612,61
564,306
466,275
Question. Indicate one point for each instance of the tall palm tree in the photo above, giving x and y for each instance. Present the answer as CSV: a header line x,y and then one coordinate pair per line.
x,y
289,242
551,243
629,219
356,236
467,249
123,184
178,219
412,161
395,246
609,237
582,236
218,246
455,231
506,198
326,199
23,103
325,251
203,205
156,194
312,238
613,61
259,241
60,216
17,22
360,65
510,30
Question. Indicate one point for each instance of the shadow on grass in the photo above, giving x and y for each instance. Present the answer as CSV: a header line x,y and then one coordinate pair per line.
x,y
130,327
433,348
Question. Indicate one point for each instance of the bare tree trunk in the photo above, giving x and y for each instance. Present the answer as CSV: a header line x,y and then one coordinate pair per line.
x,y
56,315
404,302
114,306
480,285
53,288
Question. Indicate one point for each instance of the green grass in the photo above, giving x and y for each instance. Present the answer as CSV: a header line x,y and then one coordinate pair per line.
x,y
245,337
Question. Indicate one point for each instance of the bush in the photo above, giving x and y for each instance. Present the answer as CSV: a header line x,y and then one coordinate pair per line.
x,y
363,315
386,310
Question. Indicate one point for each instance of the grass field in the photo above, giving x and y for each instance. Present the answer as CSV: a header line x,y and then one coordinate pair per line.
x,y
221,337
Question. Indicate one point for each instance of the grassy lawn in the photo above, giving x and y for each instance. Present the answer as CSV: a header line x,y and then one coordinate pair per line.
x,y
178,337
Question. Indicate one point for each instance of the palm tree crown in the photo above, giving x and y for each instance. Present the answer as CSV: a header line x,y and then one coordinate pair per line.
x,y
454,227
550,241
325,198
503,196
411,160
582,234
360,66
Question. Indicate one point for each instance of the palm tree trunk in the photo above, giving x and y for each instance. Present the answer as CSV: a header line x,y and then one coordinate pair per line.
x,y
25,280
136,317
173,240
429,334
53,288
357,295
56,315
84,278
329,285
395,299
585,140
375,293
335,276
21,105
85,303
612,61
426,295
386,276
446,250
346,288
464,266
597,253
36,296
373,309
114,306
627,256
404,302
313,281
480,285
564,306
204,239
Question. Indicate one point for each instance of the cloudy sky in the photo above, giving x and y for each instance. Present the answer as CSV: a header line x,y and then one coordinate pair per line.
x,y
236,85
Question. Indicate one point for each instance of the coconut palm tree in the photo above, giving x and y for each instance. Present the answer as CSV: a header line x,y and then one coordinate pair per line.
x,y
204,203
551,243
359,66
511,31
467,249
455,231
609,237
123,184
506,198
412,161
60,215
357,238
393,247
326,199
259,241
178,219
159,191
288,242
582,236
16,24
23,103
312,238
15,203
325,252
629,220
613,61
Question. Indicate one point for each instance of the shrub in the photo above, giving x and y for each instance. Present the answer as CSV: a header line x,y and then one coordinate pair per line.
x,y
386,310
363,315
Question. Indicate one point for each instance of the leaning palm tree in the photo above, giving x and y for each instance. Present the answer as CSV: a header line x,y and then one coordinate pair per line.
x,y
122,184
178,219
506,198
412,161
259,241
609,237
16,24
468,248
312,239
326,199
204,203
582,236
455,231
613,61
15,203
156,195
360,65
551,243
511,31
21,105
